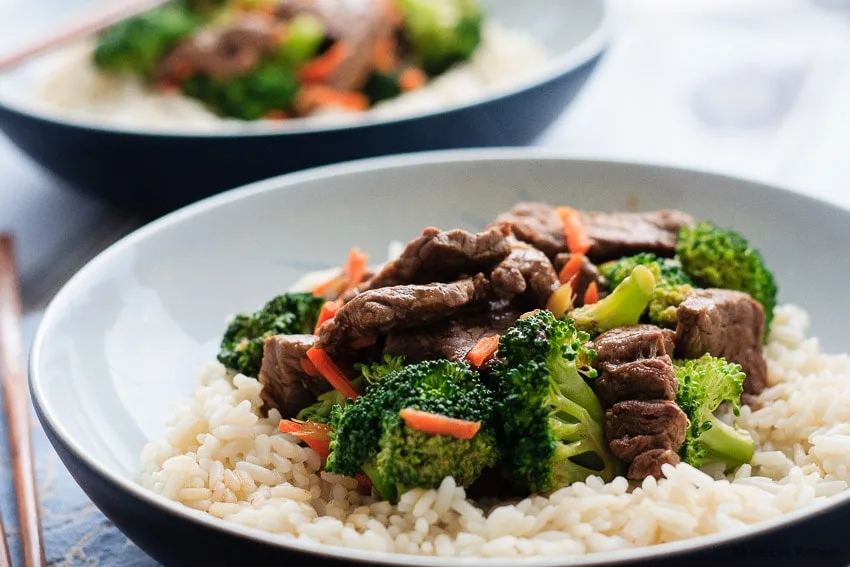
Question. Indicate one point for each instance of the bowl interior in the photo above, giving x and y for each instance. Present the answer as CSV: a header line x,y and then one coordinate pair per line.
x,y
569,30
121,344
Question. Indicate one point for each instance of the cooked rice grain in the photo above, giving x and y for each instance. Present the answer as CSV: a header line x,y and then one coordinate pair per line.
x,y
221,456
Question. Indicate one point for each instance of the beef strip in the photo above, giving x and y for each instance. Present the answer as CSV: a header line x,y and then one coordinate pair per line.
x,y
647,379
378,311
524,268
650,463
637,426
437,256
626,344
588,273
453,339
537,224
286,387
360,24
724,323
221,53
612,235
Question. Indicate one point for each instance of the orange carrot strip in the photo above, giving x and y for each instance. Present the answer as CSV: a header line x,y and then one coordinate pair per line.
x,y
412,78
482,350
329,309
276,115
571,269
331,372
323,66
309,369
577,240
591,294
315,435
364,483
383,55
435,424
355,267
311,97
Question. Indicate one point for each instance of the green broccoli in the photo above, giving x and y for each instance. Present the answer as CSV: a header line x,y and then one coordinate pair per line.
x,y
269,87
370,374
672,284
304,36
622,307
136,45
704,384
442,32
552,420
371,436
722,258
288,314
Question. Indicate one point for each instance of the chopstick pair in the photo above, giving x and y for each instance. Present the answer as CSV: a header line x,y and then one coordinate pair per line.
x,y
18,421
106,14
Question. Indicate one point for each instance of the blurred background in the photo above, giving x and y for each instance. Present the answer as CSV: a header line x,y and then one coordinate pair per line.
x,y
751,88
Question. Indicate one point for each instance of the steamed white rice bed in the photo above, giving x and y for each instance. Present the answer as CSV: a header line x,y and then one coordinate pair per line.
x,y
504,58
219,455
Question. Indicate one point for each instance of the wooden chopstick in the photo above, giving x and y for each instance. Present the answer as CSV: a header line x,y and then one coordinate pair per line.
x,y
13,366
108,13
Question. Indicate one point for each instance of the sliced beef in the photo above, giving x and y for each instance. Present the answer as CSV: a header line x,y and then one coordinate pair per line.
x,y
626,344
537,224
286,387
359,25
438,256
647,379
613,235
724,323
650,463
634,427
453,339
379,311
525,268
588,273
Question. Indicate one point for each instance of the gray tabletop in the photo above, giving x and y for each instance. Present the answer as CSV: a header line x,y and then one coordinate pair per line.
x,y
753,88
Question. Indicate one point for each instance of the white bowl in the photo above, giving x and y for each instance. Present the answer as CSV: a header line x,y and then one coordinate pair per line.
x,y
120,345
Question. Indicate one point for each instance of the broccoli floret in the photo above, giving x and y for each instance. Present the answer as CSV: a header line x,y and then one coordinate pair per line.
x,y
373,372
623,307
552,421
136,45
717,257
672,284
288,314
269,87
704,384
442,32
370,434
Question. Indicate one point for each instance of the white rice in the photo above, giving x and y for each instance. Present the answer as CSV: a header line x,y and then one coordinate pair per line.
x,y
75,87
220,456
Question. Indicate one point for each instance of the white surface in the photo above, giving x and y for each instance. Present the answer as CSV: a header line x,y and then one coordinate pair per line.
x,y
756,88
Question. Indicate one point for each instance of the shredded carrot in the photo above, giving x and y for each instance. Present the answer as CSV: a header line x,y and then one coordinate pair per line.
x,y
571,269
355,267
322,67
168,87
577,240
331,372
591,294
324,288
383,56
412,78
318,96
482,350
277,115
309,369
315,435
436,424
329,309
364,483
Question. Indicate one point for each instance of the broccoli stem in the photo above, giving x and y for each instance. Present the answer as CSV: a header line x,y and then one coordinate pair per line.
x,y
622,308
574,389
385,490
727,444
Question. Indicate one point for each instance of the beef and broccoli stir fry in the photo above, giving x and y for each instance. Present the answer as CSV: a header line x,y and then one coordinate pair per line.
x,y
554,345
254,59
